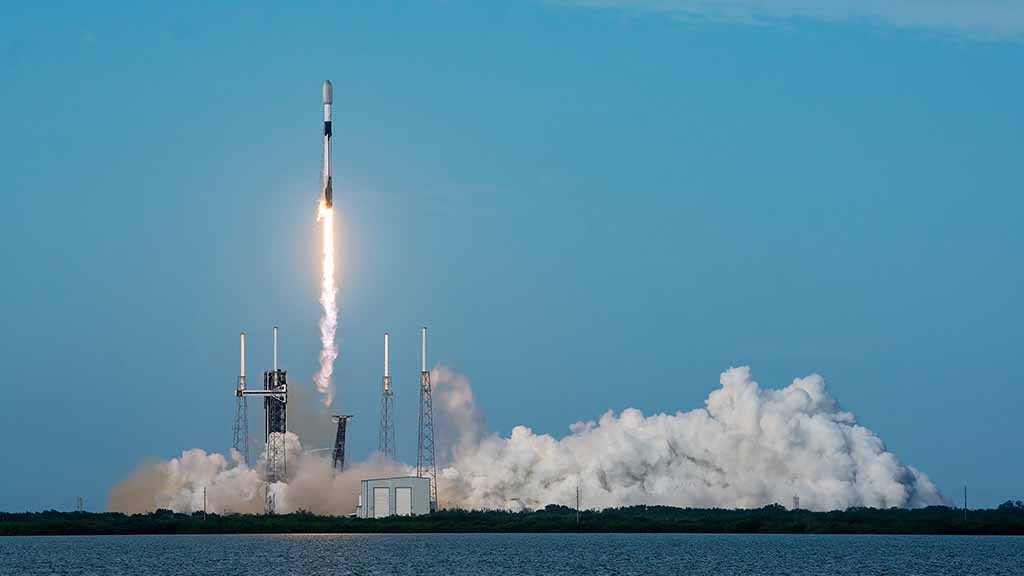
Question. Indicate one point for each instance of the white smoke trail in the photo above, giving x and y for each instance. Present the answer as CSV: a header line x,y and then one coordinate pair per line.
x,y
328,301
749,447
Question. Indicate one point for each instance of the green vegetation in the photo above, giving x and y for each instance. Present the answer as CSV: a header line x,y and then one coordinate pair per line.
x,y
1006,519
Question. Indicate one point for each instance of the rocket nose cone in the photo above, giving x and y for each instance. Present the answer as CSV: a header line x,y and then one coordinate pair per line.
x,y
328,92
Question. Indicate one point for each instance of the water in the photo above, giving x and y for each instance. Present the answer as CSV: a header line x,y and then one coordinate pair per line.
x,y
476,554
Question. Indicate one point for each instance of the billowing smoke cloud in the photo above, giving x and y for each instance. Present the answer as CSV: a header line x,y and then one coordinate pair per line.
x,y
232,487
748,447
178,484
459,423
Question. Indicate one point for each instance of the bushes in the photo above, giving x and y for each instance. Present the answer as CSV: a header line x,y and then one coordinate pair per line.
x,y
1008,518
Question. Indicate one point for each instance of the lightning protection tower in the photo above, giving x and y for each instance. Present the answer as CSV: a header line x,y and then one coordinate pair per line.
x,y
425,466
386,439
338,456
241,427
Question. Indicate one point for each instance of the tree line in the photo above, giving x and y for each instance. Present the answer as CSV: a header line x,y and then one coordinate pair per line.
x,y
1008,518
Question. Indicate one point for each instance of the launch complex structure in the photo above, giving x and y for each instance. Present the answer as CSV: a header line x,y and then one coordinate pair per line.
x,y
275,381
426,466
275,417
275,411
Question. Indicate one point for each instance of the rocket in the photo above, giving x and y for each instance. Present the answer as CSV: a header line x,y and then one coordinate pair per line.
x,y
328,190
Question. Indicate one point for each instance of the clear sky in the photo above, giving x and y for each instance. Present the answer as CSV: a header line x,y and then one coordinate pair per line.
x,y
593,205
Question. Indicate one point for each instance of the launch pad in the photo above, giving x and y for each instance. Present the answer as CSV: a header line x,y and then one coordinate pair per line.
x,y
275,381
275,410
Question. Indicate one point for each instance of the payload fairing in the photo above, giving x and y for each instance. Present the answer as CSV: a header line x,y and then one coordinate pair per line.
x,y
327,185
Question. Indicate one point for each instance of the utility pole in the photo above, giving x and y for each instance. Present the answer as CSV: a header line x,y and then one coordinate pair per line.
x,y
204,502
577,507
965,502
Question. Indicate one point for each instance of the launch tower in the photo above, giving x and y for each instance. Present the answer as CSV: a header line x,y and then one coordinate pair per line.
x,y
275,403
241,427
425,465
386,439
275,408
338,456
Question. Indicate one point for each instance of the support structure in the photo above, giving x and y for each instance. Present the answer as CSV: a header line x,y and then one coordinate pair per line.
x,y
338,456
275,408
386,437
276,411
425,464
240,430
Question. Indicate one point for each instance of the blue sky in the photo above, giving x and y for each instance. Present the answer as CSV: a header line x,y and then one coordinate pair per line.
x,y
593,205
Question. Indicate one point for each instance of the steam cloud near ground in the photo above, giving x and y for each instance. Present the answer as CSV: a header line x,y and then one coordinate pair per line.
x,y
231,486
748,447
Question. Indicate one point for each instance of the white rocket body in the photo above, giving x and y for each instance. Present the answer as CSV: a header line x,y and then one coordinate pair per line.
x,y
327,184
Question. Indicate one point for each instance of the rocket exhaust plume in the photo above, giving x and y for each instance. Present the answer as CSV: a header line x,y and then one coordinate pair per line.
x,y
328,301
328,288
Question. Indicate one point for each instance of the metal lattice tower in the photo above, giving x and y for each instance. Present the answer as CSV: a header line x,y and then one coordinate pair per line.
x,y
270,501
275,409
338,456
240,430
275,385
386,436
425,465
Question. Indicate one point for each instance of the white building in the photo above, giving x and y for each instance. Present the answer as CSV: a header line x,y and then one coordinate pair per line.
x,y
401,496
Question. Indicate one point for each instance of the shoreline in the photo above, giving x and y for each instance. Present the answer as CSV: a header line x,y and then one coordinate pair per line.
x,y
1007,520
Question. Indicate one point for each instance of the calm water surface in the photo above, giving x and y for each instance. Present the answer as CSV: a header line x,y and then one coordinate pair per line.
x,y
474,554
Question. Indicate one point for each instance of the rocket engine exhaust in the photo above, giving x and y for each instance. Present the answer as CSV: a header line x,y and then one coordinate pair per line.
x,y
328,288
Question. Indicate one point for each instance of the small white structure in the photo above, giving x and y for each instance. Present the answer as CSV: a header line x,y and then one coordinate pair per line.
x,y
398,496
